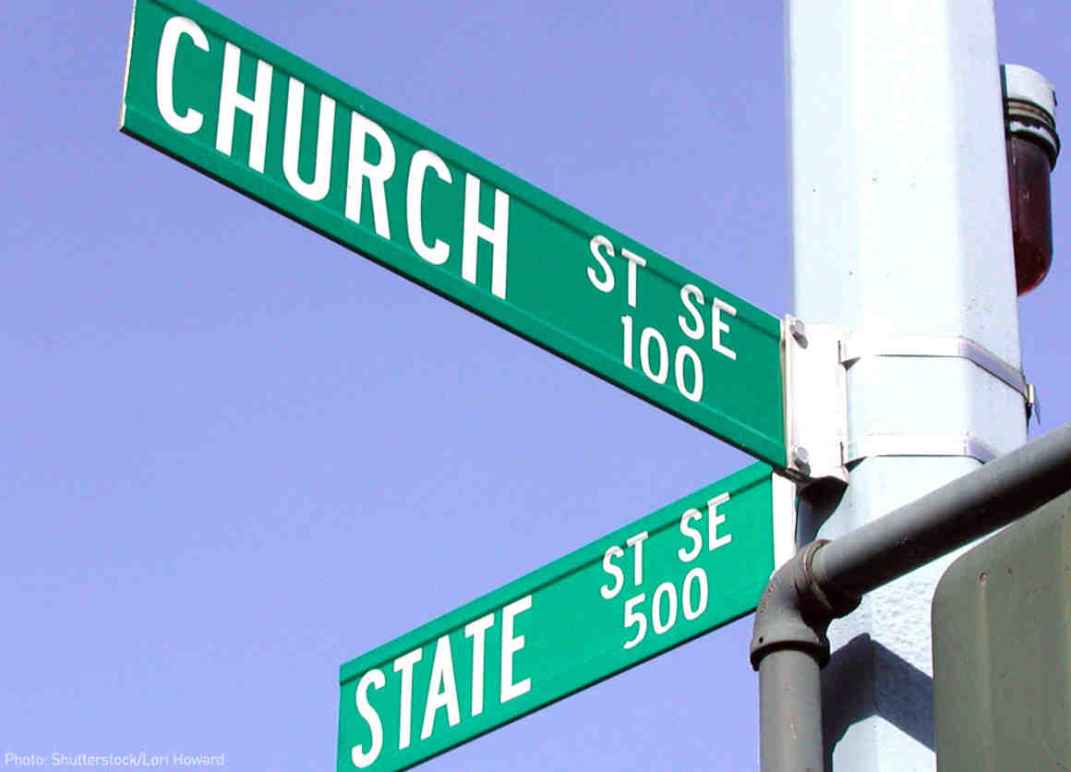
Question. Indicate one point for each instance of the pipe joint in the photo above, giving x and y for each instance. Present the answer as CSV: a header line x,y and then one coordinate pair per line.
x,y
795,610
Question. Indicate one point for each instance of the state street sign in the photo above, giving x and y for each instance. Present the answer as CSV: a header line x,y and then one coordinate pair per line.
x,y
255,117
666,578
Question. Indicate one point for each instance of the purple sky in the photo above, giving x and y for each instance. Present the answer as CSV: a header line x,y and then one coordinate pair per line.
x,y
235,455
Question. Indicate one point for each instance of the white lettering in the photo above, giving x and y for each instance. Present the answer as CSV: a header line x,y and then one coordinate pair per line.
x,y
325,137
511,644
718,327
423,160
698,575
361,758
714,520
689,294
633,261
258,107
607,591
632,618
606,283
477,630
636,542
404,665
626,343
174,29
497,235
687,556
664,590
377,174
648,335
685,354
442,689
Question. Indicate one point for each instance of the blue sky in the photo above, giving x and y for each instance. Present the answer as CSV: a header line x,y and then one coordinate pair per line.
x,y
235,454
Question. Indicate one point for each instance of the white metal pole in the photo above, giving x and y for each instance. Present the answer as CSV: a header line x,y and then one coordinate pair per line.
x,y
901,234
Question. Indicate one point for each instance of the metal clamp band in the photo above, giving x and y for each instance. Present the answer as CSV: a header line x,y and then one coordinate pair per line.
x,y
819,443
859,345
872,445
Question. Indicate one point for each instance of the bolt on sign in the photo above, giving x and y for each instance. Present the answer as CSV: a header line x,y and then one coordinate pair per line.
x,y
684,570
219,98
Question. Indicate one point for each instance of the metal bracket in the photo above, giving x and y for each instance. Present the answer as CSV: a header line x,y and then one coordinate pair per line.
x,y
784,519
917,445
816,400
1033,406
860,345
816,358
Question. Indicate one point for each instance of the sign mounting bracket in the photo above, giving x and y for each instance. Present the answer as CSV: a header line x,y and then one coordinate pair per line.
x,y
819,444
816,401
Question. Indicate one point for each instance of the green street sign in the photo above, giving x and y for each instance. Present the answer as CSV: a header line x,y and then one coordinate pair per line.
x,y
666,578
215,96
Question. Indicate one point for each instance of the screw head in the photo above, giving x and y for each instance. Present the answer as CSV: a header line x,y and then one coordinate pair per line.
x,y
799,331
801,458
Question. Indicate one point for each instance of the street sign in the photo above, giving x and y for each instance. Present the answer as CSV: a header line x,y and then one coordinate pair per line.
x,y
682,571
215,96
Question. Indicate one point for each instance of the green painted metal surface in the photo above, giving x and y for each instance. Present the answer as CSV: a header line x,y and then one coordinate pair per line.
x,y
1002,649
682,571
215,96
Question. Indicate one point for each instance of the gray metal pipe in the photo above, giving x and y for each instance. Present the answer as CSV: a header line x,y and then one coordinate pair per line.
x,y
963,510
789,648
790,698
825,580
